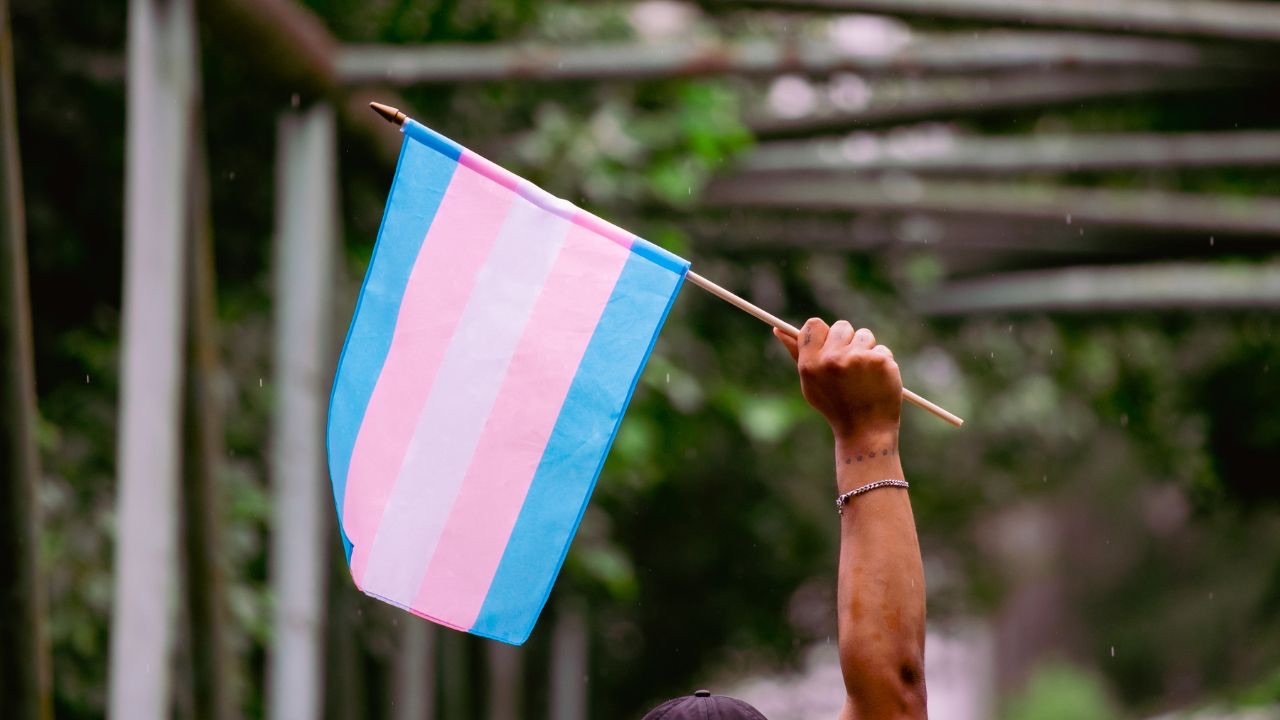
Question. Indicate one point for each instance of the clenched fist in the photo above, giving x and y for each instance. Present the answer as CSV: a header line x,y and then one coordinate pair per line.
x,y
848,378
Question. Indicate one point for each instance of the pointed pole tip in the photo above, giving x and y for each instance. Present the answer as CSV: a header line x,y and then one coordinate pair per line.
x,y
390,114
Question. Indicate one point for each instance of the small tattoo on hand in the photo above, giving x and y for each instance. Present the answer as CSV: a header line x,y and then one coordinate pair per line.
x,y
859,458
808,336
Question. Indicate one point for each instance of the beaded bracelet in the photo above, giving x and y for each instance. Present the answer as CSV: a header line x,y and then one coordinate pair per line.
x,y
842,500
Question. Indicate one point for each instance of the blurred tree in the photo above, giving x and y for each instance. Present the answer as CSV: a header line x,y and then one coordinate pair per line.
x,y
212,677
24,653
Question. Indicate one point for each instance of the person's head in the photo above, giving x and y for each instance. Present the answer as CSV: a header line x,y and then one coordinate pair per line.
x,y
702,705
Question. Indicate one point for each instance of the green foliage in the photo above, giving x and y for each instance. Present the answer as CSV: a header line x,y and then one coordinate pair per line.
x,y
1061,692
1147,443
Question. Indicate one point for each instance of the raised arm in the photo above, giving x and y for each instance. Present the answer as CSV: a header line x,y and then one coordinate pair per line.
x,y
856,386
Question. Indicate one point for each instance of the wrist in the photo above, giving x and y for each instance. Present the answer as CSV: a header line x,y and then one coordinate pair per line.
x,y
867,438
866,456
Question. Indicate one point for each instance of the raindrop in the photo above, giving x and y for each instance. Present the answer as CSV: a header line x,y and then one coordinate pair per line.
x,y
668,378
259,382
1210,241
1124,419
295,100
1068,218
86,379
1113,651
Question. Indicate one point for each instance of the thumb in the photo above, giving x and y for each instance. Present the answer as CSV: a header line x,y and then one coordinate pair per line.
x,y
789,343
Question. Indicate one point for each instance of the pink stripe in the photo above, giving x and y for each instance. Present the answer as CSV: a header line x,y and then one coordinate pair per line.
x,y
466,386
489,169
605,228
439,286
510,449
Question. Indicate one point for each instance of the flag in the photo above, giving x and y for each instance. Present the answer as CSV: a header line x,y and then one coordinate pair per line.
x,y
496,341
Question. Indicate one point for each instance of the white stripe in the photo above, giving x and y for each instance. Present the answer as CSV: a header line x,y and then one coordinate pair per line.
x,y
458,405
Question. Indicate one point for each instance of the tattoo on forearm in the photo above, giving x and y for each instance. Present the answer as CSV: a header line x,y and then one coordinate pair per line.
x,y
867,455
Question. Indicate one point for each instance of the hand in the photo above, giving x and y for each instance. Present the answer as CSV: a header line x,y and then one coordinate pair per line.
x,y
848,378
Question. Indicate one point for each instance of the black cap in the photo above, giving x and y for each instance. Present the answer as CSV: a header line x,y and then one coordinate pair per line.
x,y
702,705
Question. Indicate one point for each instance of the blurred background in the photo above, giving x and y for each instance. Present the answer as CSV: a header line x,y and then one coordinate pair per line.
x,y
1061,214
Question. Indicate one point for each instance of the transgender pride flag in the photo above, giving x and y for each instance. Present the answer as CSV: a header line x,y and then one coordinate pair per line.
x,y
496,342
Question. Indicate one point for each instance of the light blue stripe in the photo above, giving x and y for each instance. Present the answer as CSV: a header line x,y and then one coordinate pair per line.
x,y
661,256
577,448
422,176
431,139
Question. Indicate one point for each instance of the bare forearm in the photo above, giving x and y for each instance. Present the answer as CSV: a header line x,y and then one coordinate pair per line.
x,y
857,387
881,592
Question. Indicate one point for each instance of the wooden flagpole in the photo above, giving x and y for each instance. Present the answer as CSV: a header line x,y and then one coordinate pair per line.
x,y
793,331
396,117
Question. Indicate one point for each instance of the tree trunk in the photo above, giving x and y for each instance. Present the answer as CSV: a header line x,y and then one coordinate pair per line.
x,y
211,670
305,244
24,653
345,696
160,85
455,676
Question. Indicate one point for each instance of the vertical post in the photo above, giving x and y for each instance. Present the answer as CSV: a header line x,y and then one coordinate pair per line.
x,y
456,689
569,664
24,655
416,671
306,195
505,688
345,695
210,668
159,91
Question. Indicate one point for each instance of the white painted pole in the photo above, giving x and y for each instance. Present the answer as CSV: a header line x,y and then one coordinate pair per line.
x,y
306,195
161,80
